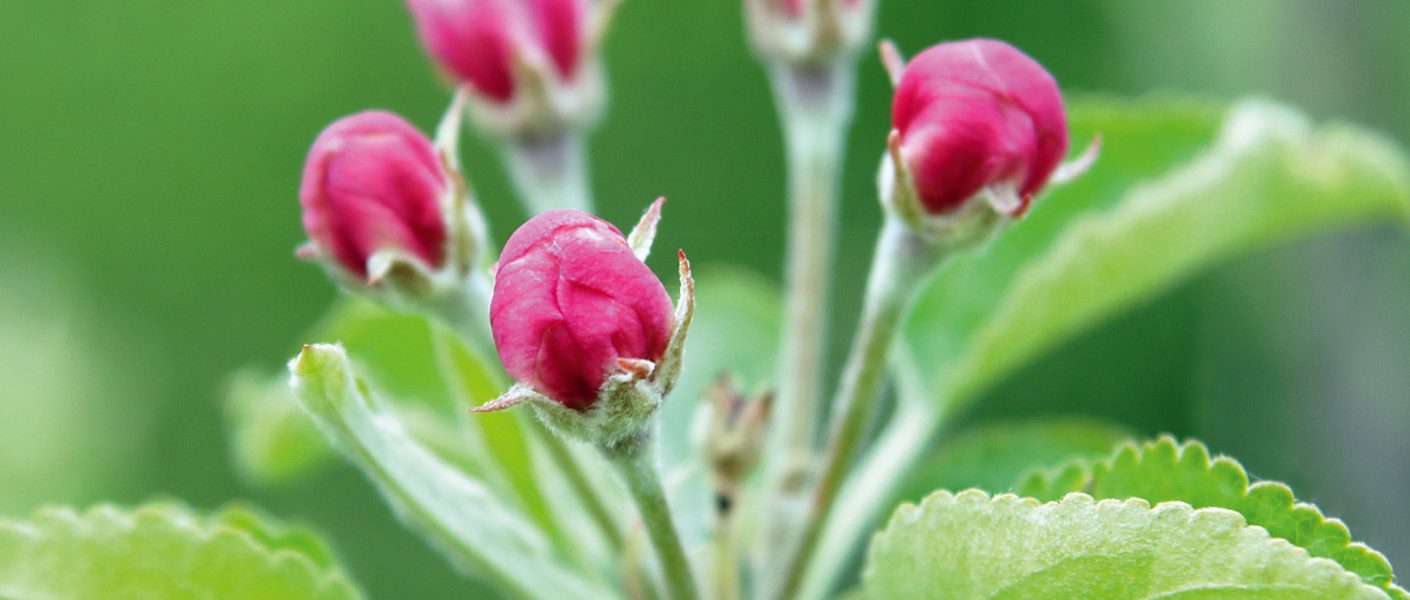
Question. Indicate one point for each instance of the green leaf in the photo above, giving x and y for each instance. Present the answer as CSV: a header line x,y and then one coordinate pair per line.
x,y
272,441
1162,470
164,551
1100,245
993,456
973,546
460,516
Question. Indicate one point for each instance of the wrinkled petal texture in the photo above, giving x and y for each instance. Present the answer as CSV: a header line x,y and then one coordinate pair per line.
x,y
570,298
372,182
476,40
974,113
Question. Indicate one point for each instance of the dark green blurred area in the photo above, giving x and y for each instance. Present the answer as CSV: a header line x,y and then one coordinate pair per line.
x,y
150,152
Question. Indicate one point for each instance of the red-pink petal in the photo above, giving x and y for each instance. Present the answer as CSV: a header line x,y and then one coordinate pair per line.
x,y
570,298
975,113
371,182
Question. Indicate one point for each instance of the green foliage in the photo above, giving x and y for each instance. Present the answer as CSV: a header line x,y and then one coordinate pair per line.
x,y
272,441
972,546
275,443
475,528
993,456
164,551
1104,243
1163,470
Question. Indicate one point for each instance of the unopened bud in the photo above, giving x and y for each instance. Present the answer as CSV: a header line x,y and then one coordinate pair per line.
x,y
734,436
809,32
978,131
532,64
583,325
373,185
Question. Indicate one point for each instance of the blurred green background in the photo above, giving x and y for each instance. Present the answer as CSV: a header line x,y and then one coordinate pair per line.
x,y
150,151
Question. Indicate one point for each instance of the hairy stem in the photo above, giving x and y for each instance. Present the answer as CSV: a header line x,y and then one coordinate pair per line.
x,y
815,105
582,488
901,261
549,172
636,464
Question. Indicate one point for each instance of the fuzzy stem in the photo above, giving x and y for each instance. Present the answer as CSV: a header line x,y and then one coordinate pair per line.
x,y
465,310
725,565
859,503
635,462
549,172
815,106
582,488
901,261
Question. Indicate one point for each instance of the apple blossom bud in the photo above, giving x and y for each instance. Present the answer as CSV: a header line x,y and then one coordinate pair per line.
x,y
976,117
809,32
531,63
373,184
573,305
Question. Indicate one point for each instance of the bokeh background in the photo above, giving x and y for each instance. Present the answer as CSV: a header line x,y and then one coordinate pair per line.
x,y
150,151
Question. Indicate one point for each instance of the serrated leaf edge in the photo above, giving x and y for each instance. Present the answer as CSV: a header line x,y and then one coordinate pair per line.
x,y
41,522
908,513
1131,451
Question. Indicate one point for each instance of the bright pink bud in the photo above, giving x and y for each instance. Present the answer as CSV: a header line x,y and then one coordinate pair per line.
x,y
477,40
372,182
570,298
977,113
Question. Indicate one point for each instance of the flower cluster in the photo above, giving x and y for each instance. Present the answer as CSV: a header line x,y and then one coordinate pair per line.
x,y
578,321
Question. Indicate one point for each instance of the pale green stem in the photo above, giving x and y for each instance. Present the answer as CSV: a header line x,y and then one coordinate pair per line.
x,y
464,310
549,172
815,106
861,502
635,462
725,564
582,488
901,261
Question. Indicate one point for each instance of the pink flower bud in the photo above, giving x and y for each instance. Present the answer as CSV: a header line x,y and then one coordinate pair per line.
x,y
373,182
974,114
570,300
479,40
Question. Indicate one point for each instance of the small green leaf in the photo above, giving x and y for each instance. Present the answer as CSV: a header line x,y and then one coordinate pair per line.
x,y
972,546
164,551
459,515
1162,470
272,441
993,456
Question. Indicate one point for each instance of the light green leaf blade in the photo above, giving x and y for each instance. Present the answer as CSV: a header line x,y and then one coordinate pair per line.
x,y
460,516
993,456
163,551
972,546
1141,141
1163,469
1269,177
